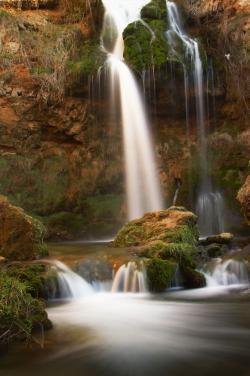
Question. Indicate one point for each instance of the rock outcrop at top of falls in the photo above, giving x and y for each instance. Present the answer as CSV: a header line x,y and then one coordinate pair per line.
x,y
244,199
21,236
167,240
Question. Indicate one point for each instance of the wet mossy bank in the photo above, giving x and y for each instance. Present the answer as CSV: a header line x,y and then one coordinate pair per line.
x,y
23,285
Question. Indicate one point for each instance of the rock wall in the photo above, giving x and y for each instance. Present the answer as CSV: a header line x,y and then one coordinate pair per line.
x,y
244,199
60,151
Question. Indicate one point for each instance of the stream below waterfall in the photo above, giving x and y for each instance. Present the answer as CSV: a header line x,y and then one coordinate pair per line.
x,y
194,332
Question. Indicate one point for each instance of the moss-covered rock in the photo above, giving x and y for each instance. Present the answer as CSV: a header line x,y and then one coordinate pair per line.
x,y
145,46
156,9
145,41
172,226
165,239
159,274
21,236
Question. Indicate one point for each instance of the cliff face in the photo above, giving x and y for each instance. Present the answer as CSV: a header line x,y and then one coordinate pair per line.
x,y
56,155
225,25
60,152
244,199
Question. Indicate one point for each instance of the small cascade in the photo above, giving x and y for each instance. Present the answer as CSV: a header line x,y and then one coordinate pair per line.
x,y
210,204
210,208
226,273
142,182
70,284
129,278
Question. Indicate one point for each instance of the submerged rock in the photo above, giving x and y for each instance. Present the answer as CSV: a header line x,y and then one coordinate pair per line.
x,y
166,239
223,238
21,236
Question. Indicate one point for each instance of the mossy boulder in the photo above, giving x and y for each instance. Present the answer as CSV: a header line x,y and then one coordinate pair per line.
x,y
145,41
145,46
21,236
173,225
165,239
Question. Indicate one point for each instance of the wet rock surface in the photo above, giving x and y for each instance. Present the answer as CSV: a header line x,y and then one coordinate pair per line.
x,y
21,236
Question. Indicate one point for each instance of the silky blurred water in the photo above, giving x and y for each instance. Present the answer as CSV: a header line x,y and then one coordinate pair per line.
x,y
129,334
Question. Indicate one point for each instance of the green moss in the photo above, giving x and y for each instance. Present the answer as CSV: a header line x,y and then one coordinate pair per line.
x,y
89,59
156,9
104,207
65,220
130,235
180,252
142,48
159,274
183,234
20,313
31,275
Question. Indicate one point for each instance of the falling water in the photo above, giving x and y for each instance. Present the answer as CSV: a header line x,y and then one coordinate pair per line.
x,y
209,204
142,185
129,278
226,273
70,284
210,209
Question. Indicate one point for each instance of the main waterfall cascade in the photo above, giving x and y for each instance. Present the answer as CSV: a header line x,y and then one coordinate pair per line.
x,y
142,183
210,205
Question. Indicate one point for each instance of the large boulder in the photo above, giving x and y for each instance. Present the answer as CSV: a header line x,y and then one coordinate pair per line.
x,y
21,236
167,240
244,199
169,225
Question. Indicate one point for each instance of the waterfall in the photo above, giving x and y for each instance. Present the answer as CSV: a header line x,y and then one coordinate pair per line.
x,y
142,184
210,204
70,284
226,273
129,278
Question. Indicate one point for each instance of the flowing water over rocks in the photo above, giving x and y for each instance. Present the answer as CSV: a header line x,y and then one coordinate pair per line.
x,y
226,273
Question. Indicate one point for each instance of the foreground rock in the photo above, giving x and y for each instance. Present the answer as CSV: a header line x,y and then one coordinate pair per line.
x,y
244,199
21,236
168,242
